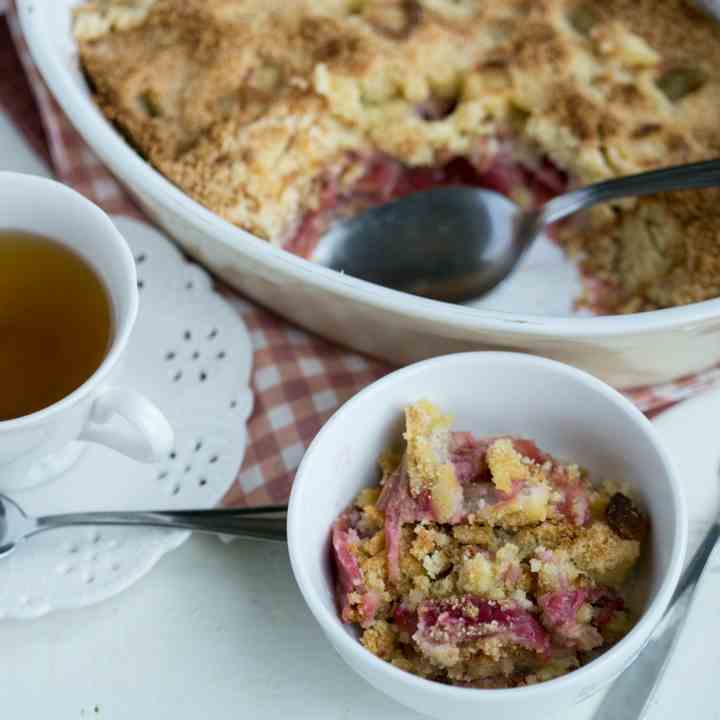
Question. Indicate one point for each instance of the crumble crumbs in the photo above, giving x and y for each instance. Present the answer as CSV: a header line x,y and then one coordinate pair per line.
x,y
486,598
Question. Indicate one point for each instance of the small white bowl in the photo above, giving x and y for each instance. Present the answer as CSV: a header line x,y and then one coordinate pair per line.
x,y
570,414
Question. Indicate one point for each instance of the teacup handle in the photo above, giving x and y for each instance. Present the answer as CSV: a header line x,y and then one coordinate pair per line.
x,y
149,437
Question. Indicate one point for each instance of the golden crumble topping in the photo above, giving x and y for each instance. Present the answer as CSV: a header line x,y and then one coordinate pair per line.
x,y
427,433
486,599
269,111
506,464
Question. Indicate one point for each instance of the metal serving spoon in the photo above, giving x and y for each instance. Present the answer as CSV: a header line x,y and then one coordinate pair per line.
x,y
259,523
457,243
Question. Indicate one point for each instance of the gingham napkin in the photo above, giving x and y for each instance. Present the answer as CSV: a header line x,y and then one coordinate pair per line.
x,y
299,379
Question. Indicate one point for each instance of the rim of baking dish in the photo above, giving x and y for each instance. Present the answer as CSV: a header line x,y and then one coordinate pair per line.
x,y
138,174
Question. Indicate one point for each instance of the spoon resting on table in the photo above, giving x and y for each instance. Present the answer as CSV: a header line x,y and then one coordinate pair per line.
x,y
457,243
257,523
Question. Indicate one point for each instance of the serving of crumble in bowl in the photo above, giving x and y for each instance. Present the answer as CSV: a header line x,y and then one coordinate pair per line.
x,y
517,554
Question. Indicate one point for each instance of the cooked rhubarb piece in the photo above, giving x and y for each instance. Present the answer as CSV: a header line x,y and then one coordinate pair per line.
x,y
447,628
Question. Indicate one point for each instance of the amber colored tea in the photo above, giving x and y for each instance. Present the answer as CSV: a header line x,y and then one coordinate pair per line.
x,y
55,322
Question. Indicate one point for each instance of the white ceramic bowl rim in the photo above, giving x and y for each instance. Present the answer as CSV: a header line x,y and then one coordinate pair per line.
x,y
331,624
104,139
40,185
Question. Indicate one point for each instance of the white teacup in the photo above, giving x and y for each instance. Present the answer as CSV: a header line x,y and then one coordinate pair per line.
x,y
38,447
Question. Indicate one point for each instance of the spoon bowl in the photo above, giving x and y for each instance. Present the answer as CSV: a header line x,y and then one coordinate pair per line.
x,y
442,244
14,525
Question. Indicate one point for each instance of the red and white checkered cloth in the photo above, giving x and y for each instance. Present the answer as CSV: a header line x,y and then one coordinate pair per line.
x,y
299,379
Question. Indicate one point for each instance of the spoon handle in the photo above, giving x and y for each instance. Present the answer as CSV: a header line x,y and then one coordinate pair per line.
x,y
679,177
687,683
260,523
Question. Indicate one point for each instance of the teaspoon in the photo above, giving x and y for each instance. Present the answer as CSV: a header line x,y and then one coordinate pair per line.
x,y
259,523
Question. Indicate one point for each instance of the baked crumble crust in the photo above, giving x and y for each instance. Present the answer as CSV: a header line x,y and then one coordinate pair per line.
x,y
427,434
259,108
486,600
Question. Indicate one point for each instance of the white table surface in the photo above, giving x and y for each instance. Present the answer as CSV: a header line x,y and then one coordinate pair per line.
x,y
214,631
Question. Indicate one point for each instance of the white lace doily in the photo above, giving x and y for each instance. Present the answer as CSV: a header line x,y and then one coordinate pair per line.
x,y
191,354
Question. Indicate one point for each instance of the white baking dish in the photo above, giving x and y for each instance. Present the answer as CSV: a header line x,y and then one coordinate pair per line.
x,y
626,351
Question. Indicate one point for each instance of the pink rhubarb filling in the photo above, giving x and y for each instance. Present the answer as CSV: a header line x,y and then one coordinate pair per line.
x,y
400,507
386,179
349,579
470,618
560,615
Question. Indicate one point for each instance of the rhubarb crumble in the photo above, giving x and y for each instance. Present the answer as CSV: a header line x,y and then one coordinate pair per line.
x,y
485,563
283,116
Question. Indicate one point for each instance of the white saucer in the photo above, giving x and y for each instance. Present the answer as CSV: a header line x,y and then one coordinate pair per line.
x,y
191,354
